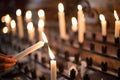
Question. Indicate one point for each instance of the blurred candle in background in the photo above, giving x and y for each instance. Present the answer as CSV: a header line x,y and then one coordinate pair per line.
x,y
13,27
28,16
74,24
40,28
20,24
5,30
41,14
7,21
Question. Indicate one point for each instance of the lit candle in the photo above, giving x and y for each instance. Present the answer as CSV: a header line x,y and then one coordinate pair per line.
x,y
20,23
62,25
81,24
28,16
5,30
53,65
103,24
74,24
44,37
40,28
29,50
117,25
31,31
7,20
13,27
41,14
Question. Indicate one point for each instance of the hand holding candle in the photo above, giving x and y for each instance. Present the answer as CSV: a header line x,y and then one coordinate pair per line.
x,y
29,50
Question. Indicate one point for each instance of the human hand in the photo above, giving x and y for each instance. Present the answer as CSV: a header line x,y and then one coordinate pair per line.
x,y
6,62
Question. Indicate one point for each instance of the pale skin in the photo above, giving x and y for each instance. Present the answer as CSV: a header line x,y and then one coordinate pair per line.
x,y
6,62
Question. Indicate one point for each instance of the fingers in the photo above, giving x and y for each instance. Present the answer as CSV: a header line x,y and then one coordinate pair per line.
x,y
4,66
7,59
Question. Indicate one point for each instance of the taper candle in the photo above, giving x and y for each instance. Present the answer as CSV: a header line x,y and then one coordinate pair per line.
x,y
40,28
13,27
74,24
28,16
41,14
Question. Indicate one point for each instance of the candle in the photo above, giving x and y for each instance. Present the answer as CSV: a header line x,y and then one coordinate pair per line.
x,y
44,37
5,30
41,14
74,24
103,24
117,24
29,50
31,31
53,65
20,23
28,16
13,27
40,28
62,25
81,24
7,20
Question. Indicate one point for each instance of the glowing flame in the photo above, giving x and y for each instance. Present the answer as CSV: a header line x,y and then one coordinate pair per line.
x,y
41,13
5,30
7,18
44,37
51,54
30,26
18,12
3,19
116,16
101,17
79,7
60,7
13,24
41,23
74,21
28,14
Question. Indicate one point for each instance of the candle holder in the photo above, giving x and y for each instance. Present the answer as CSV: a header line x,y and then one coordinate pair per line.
x,y
104,49
104,38
89,61
104,66
93,36
116,41
92,46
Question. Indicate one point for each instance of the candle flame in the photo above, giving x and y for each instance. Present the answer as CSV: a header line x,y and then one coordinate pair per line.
x,y
3,19
74,21
30,26
44,37
41,23
116,15
101,17
18,12
13,24
28,14
5,30
7,18
41,13
79,7
60,7
51,53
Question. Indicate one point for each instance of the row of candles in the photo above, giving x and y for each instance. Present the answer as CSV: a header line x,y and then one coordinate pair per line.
x,y
80,27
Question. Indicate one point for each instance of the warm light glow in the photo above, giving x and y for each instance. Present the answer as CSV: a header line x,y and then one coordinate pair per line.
x,y
13,24
3,19
101,17
60,7
41,23
79,7
44,37
28,14
18,12
74,21
7,18
30,26
5,30
116,15
51,53
41,13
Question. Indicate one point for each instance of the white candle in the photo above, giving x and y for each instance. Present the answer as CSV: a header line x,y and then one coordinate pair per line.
x,y
28,16
31,32
20,24
62,24
81,24
29,50
40,28
13,27
103,24
53,65
74,24
117,25
41,14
